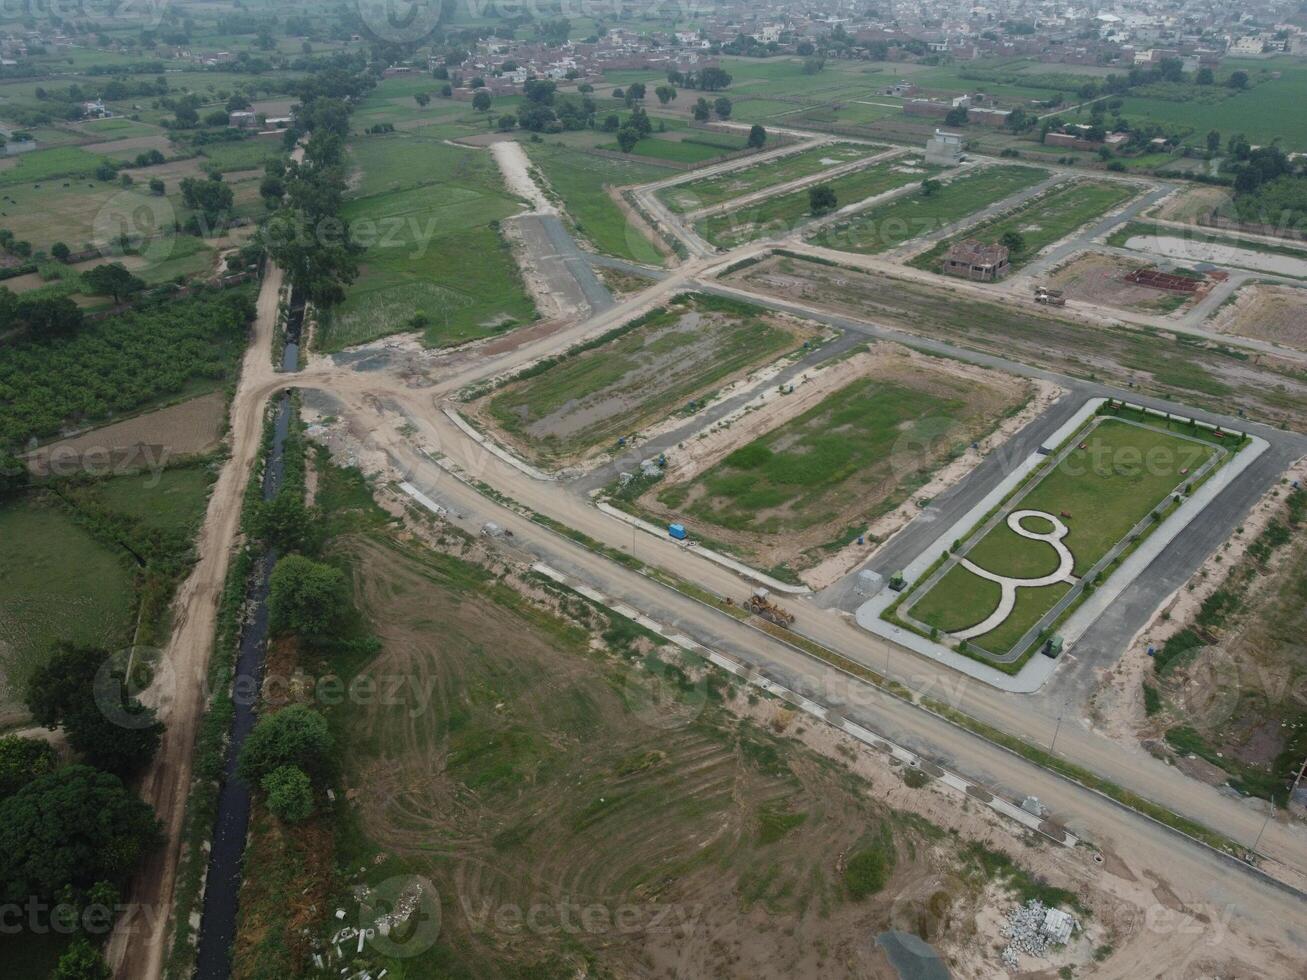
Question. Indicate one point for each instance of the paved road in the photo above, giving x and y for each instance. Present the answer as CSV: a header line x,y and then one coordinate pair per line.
x,y
562,262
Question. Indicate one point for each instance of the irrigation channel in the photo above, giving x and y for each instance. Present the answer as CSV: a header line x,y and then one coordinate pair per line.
x,y
230,828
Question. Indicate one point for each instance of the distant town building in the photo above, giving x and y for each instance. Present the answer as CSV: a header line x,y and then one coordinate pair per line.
x,y
96,109
243,120
975,260
944,149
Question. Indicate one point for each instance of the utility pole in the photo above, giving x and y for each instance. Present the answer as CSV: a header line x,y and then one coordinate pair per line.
x,y
1053,747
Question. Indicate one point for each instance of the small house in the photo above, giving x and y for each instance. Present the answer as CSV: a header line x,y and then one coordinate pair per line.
x,y
976,260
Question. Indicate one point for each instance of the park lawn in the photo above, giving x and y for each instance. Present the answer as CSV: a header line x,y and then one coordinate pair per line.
x,y
1030,608
428,214
799,474
58,161
914,215
658,362
777,215
1124,472
60,584
707,191
959,600
1047,219
119,128
582,180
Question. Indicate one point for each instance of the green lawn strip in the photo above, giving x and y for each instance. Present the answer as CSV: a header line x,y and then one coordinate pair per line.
x,y
59,161
1039,756
742,339
778,214
1031,606
708,191
1041,222
581,181
673,150
913,215
790,478
436,261
960,600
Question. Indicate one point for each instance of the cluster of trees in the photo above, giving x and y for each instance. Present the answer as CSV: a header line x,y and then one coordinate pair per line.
x,y
61,372
705,80
721,105
544,110
73,835
306,234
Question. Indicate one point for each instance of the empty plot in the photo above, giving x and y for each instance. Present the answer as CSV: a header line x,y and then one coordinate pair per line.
x,y
1041,222
1265,312
707,191
1100,278
922,213
643,371
817,476
777,215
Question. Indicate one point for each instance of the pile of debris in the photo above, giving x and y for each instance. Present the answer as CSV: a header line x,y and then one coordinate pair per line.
x,y
1032,928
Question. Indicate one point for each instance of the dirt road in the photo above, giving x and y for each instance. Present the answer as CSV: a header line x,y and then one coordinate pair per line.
x,y
136,947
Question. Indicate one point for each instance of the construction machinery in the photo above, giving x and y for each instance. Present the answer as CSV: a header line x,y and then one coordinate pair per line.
x,y
760,605
1049,297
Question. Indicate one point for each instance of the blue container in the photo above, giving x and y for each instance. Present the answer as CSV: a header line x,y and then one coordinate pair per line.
x,y
677,531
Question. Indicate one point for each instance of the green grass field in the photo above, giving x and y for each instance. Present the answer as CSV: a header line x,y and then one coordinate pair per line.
x,y
40,165
1041,222
61,584
914,215
707,191
1123,472
676,353
796,475
428,211
677,150
581,179
778,215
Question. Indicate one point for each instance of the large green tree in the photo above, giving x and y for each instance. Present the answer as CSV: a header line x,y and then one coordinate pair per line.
x,y
295,736
72,828
306,596
23,760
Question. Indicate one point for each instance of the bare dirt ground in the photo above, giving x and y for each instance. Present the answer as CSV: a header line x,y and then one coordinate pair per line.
x,y
621,283
1265,312
516,166
1213,681
990,395
185,429
1098,278
550,302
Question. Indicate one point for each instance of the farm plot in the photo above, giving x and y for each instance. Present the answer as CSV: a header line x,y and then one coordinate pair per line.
x,y
68,577
636,376
586,182
784,213
708,191
435,260
911,216
1041,222
850,445
1064,529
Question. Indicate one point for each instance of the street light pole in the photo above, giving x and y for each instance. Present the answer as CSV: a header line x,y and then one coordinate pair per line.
x,y
1053,747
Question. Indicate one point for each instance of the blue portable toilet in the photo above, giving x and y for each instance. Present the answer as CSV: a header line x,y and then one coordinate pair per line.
x,y
677,531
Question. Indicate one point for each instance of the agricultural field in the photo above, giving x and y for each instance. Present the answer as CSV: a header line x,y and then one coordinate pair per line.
x,y
784,213
911,216
436,262
1049,537
120,365
585,182
1047,219
1187,371
720,188
68,578
684,147
793,482
636,375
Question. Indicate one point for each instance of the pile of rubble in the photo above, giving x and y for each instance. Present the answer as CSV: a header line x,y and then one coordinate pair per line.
x,y
1032,929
